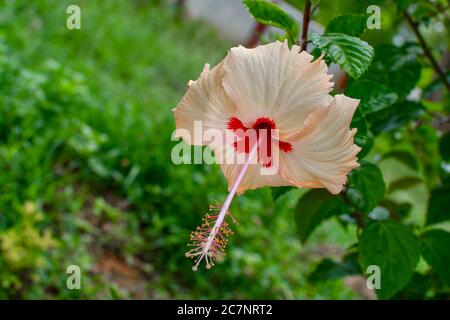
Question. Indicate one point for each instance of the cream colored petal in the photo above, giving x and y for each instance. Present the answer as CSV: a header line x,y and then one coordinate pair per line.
x,y
276,82
253,178
205,101
324,153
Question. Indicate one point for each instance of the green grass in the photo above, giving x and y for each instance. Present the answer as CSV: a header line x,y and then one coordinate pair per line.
x,y
86,174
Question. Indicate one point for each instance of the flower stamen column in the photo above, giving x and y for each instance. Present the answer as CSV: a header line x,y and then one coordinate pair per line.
x,y
209,242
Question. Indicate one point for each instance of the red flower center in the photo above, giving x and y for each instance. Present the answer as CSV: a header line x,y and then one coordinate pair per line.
x,y
262,132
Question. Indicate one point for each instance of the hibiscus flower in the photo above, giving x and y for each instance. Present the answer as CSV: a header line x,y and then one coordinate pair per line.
x,y
283,95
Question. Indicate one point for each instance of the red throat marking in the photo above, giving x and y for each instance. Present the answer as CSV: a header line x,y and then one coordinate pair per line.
x,y
261,123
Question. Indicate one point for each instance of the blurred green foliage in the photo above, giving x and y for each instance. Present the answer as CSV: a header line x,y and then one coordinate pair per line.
x,y
86,176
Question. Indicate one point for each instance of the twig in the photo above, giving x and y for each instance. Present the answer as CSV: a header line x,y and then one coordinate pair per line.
x,y
415,28
306,16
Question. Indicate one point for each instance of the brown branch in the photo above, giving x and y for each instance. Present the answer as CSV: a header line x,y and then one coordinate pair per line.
x,y
415,28
258,30
306,17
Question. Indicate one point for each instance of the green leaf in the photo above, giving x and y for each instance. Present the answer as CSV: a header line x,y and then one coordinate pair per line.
x,y
351,53
404,157
365,187
394,249
439,205
272,15
279,191
352,24
313,207
328,269
444,147
396,68
395,116
373,96
434,245
363,137
404,183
